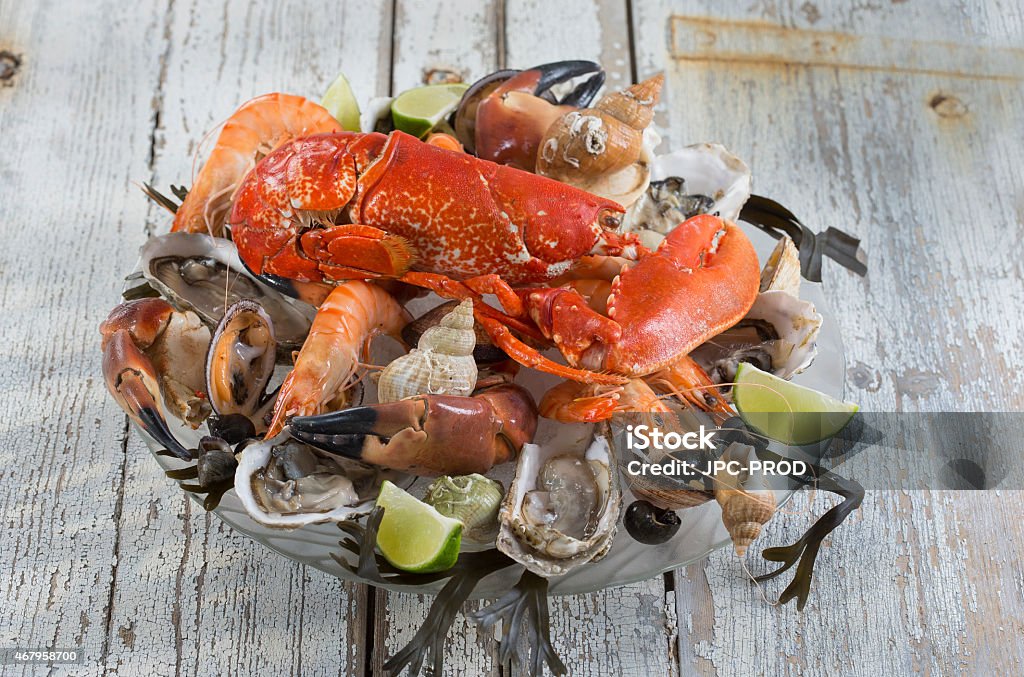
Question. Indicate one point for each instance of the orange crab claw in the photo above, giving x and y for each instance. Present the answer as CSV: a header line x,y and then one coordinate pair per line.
x,y
701,280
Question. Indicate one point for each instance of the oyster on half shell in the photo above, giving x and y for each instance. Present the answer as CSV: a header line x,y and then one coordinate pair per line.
x,y
704,178
285,483
194,271
563,506
780,331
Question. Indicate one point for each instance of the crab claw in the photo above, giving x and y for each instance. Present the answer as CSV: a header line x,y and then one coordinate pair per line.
x,y
133,382
428,434
512,119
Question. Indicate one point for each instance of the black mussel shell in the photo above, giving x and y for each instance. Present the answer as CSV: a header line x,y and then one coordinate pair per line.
x,y
232,428
650,525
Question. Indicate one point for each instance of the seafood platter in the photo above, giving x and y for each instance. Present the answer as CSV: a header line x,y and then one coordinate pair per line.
x,y
398,341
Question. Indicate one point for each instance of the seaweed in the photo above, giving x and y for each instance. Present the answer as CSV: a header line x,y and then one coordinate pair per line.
x,y
776,220
167,203
805,549
214,493
527,601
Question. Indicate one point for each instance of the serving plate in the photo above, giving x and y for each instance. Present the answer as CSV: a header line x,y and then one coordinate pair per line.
x,y
627,562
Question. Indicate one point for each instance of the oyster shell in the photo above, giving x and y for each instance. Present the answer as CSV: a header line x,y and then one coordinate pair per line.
x,y
700,179
197,272
563,507
778,335
285,483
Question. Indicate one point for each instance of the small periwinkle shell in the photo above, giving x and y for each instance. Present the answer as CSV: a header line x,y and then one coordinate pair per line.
x,y
472,499
216,463
650,525
232,428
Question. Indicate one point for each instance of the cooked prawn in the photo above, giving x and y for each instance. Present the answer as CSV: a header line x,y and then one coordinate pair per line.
x,y
254,130
352,314
571,402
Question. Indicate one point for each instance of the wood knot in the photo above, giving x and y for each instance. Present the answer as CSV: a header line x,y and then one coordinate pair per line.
x,y
947,106
9,65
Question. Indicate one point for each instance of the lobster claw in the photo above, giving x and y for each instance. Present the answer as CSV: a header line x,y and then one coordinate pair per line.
x,y
512,119
428,434
133,382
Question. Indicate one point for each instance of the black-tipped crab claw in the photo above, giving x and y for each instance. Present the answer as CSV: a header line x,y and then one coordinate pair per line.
x,y
511,118
144,341
428,434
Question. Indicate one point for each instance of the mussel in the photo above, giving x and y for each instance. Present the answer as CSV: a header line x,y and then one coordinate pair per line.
x,y
240,362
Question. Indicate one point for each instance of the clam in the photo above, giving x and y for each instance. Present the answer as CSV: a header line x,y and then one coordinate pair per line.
x,y
700,179
240,362
285,483
782,271
563,506
204,274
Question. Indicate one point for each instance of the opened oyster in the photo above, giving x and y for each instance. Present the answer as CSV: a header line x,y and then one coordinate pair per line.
x,y
204,274
779,333
563,506
700,179
284,483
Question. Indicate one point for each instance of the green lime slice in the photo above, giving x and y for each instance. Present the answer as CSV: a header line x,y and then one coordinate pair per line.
x,y
417,111
787,412
341,103
413,536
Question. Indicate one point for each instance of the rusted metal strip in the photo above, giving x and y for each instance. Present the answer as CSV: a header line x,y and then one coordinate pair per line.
x,y
763,43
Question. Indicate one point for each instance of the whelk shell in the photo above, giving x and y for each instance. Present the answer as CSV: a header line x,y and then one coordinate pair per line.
x,y
442,363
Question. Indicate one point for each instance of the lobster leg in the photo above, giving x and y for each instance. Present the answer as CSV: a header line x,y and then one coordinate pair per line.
x,y
357,252
497,326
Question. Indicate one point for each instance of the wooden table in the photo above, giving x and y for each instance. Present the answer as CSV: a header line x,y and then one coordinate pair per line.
x,y
898,122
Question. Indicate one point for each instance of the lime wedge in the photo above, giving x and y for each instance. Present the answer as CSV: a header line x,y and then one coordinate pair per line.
x,y
413,536
785,411
341,103
417,111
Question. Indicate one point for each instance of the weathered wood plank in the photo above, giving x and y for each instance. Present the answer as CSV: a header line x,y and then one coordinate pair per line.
x,y
65,218
191,595
894,158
